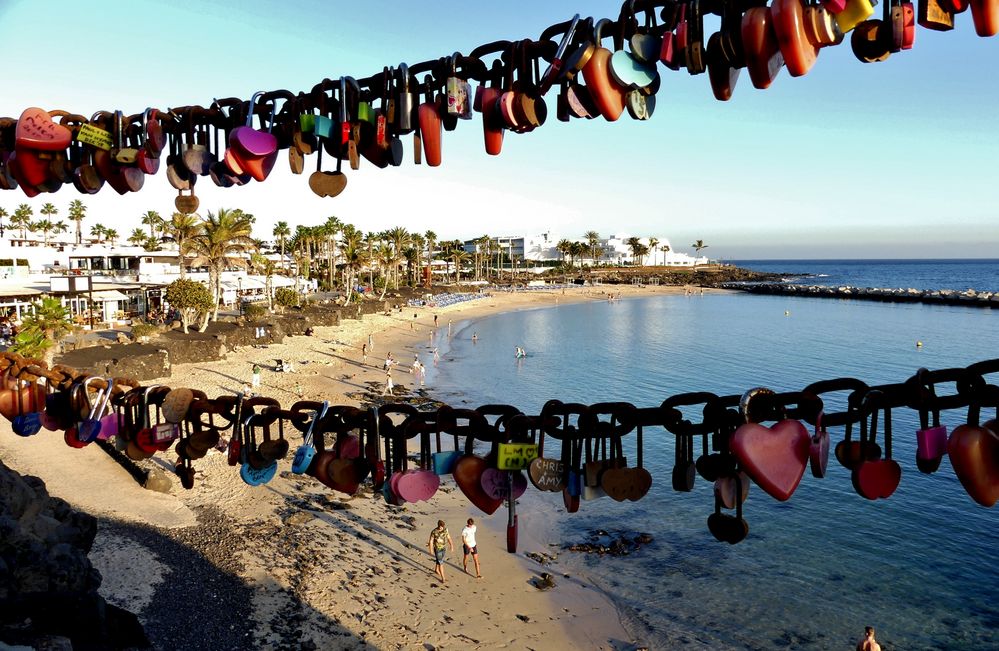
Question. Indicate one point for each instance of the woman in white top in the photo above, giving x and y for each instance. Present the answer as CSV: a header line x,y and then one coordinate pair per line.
x,y
468,546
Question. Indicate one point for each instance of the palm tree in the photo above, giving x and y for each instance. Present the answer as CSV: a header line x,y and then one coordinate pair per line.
x,y
223,236
22,218
353,251
182,227
330,229
48,210
49,322
44,226
111,235
399,238
578,249
638,250
98,232
369,240
431,238
138,236
698,245
264,264
77,212
563,247
459,256
3,215
282,233
653,243
592,240
152,219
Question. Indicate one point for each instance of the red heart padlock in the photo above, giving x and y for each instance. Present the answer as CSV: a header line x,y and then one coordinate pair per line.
x,y
818,452
416,485
36,130
252,151
774,457
468,475
974,455
877,479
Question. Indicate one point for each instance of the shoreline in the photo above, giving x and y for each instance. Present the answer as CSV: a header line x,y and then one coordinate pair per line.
x,y
314,580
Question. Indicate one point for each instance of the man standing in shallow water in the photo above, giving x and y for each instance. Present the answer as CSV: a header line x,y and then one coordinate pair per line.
x,y
868,643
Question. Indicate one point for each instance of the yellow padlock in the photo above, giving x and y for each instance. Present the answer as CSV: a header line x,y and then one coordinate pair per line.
x,y
854,13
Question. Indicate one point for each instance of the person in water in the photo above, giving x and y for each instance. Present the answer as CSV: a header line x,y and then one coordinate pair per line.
x,y
868,643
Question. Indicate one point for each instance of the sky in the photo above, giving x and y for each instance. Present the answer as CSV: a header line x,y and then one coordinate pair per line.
x,y
898,159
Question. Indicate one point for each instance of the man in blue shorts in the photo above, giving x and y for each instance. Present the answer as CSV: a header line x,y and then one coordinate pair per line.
x,y
440,540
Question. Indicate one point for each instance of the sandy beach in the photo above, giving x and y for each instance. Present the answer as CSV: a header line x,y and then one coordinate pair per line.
x,y
294,565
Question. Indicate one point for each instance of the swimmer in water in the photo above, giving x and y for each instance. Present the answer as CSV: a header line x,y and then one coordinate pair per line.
x,y
475,337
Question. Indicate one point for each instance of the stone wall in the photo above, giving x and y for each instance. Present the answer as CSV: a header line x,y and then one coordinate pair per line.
x,y
139,361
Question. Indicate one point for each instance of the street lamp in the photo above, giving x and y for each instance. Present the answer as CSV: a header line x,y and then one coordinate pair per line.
x,y
239,290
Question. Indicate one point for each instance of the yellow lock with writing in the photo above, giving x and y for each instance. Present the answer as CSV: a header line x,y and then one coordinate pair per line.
x,y
854,13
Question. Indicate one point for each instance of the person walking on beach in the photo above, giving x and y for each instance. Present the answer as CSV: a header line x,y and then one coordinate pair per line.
x,y
389,385
469,548
435,320
364,353
868,643
437,357
256,376
389,361
440,540
371,343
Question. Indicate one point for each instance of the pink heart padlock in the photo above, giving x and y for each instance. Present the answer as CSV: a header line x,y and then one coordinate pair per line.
x,y
774,457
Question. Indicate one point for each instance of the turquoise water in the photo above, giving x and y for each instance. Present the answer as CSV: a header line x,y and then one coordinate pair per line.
x,y
921,566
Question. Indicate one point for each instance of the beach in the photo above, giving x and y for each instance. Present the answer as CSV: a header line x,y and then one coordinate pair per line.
x,y
292,564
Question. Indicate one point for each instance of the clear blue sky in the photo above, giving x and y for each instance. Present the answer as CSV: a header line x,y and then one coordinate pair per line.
x,y
896,159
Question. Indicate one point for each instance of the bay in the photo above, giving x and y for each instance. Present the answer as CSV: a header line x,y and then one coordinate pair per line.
x,y
920,566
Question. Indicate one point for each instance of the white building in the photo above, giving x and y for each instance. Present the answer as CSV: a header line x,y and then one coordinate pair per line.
x,y
613,250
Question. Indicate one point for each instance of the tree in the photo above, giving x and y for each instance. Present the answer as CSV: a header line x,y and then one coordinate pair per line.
x,y
577,250
431,238
111,235
182,227
152,219
287,297
459,256
592,240
564,246
3,215
98,232
191,299
653,243
638,250
44,226
22,218
263,264
354,256
698,246
138,237
330,229
49,322
48,211
223,237
282,233
77,212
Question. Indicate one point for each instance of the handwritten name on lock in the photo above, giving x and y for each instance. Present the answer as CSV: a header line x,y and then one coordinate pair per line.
x,y
95,137
516,456
548,474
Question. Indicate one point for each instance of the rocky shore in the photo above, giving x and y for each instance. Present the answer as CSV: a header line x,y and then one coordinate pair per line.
x,y
968,298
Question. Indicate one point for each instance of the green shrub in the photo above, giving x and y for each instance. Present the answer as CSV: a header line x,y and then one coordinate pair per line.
x,y
254,310
141,329
286,297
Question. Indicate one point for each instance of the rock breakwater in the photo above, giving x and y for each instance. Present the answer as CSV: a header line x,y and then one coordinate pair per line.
x,y
969,298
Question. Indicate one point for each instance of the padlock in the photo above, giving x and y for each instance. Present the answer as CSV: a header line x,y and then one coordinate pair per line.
x,y
855,12
352,154
902,18
935,15
695,40
985,14
459,92
404,108
186,203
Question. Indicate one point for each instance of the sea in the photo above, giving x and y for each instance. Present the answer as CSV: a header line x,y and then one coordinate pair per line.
x,y
922,567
